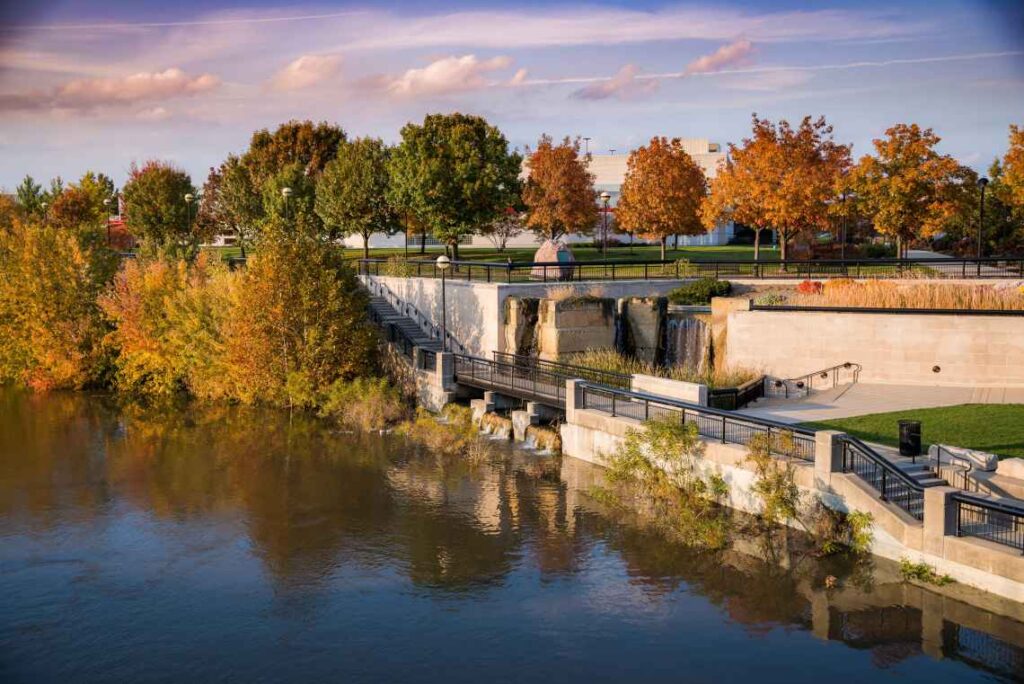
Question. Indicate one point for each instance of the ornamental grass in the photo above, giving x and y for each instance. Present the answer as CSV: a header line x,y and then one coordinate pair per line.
x,y
889,295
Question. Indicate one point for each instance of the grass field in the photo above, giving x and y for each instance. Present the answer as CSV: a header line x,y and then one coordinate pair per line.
x,y
996,428
582,253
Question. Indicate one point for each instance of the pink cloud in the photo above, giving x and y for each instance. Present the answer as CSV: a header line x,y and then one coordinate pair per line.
x,y
733,54
306,71
623,85
446,75
90,93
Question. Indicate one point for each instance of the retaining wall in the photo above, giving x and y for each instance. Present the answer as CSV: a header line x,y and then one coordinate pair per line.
x,y
898,348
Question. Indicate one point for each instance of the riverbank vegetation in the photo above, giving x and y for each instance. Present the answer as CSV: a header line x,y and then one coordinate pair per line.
x,y
888,295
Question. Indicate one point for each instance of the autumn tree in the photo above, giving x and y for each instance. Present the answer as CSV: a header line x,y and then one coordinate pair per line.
x,y
452,173
30,197
82,203
908,189
782,178
155,206
309,145
1013,170
559,192
662,192
351,194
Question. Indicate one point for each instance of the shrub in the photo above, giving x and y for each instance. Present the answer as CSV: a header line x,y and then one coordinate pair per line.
x,y
810,287
51,329
922,572
364,403
700,291
398,267
878,250
774,479
770,299
453,435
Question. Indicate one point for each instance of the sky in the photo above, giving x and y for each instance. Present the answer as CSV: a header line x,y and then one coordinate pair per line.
x,y
89,85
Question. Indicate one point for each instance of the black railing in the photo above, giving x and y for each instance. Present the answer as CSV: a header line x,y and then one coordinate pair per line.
x,y
733,398
722,426
404,308
550,271
892,484
990,519
524,382
396,336
802,385
567,371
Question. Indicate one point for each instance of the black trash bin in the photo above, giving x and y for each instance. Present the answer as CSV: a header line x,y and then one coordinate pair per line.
x,y
910,438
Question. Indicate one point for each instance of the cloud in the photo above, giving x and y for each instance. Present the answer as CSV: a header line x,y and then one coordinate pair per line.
x,y
91,93
446,75
518,78
734,54
153,114
306,71
623,85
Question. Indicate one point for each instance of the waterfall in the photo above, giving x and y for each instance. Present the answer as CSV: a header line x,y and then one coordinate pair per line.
x,y
688,341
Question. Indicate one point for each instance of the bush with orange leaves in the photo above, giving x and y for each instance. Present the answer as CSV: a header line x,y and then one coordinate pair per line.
x,y
51,329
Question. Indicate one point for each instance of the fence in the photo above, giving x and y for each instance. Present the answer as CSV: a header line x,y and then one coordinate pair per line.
x,y
513,272
732,398
522,381
989,519
567,371
890,482
716,424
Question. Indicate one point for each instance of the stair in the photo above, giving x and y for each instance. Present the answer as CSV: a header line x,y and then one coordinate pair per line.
x,y
386,313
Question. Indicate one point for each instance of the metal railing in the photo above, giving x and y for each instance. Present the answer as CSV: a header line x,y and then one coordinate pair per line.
x,y
723,426
404,308
567,371
802,385
990,519
892,484
551,271
509,378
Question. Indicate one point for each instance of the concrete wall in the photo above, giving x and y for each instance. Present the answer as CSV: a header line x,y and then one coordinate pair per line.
x,y
692,392
976,351
476,310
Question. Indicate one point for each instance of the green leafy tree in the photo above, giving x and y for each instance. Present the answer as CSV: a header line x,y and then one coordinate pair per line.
x,y
296,207
155,208
82,204
229,204
30,197
309,145
452,173
351,195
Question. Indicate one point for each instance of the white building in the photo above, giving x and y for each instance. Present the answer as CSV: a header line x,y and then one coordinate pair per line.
x,y
609,171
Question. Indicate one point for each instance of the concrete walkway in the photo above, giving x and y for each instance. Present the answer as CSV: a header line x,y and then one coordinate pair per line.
x,y
864,398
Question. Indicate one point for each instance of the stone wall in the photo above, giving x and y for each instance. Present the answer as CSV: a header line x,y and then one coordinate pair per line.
x,y
912,349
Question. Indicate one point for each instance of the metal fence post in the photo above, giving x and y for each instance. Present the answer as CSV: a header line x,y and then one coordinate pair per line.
x,y
613,405
723,429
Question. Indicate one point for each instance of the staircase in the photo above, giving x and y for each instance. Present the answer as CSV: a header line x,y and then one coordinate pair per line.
x,y
385,314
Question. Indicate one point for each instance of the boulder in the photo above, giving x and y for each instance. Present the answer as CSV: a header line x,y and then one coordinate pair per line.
x,y
1011,467
552,251
979,460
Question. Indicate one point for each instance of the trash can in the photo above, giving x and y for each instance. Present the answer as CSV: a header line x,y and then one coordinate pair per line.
x,y
910,438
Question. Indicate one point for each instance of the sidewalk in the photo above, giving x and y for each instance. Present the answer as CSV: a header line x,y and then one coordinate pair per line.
x,y
864,398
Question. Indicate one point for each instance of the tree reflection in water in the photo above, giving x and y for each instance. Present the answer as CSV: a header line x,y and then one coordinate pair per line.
x,y
313,504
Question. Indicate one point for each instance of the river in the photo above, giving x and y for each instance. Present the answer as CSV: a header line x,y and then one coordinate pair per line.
x,y
230,544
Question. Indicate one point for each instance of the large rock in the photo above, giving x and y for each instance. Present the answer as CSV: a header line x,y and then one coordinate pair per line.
x,y
1012,467
979,460
553,252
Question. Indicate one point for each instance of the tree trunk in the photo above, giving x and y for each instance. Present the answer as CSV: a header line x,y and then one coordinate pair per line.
x,y
677,242
757,244
455,249
366,246
783,240
664,241
423,242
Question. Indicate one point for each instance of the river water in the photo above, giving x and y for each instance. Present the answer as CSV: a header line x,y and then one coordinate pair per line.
x,y
237,545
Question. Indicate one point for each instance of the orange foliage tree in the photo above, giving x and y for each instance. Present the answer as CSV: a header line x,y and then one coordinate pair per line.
x,y
1013,169
782,177
559,193
908,189
662,192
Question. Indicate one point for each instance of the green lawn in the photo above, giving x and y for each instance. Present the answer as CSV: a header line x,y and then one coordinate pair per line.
x,y
996,428
583,253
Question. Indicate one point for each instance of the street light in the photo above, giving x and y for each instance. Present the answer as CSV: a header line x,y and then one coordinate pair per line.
x,y
46,214
605,196
443,262
982,183
188,210
286,192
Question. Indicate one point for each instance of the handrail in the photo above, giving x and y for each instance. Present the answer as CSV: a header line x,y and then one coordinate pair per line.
x,y
528,383
403,307
567,370
994,520
892,484
805,382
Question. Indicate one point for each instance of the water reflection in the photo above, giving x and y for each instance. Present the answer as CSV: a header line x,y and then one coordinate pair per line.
x,y
115,519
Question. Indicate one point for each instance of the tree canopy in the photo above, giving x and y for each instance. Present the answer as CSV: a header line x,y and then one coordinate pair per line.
x,y
662,192
309,145
453,173
352,192
559,193
155,207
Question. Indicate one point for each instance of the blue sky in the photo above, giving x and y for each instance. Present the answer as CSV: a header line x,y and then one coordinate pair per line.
x,y
87,85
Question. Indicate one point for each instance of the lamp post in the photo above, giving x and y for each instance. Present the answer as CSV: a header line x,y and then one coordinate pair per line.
x,y
286,192
443,262
188,211
605,196
106,205
982,183
46,213
842,242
